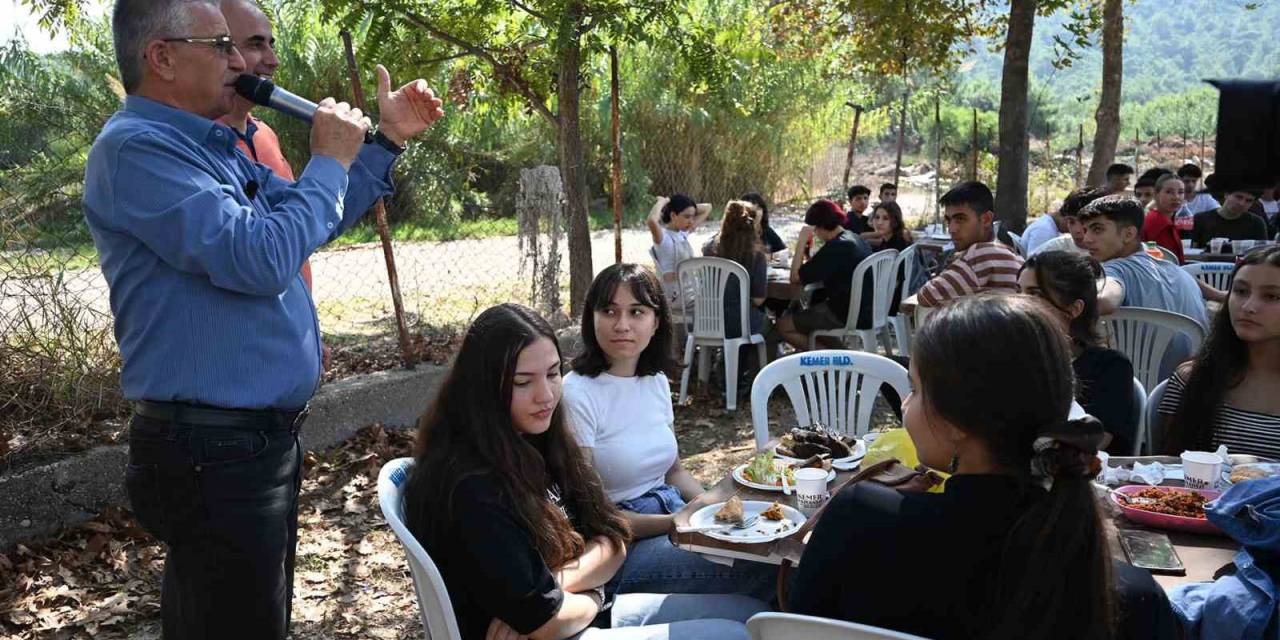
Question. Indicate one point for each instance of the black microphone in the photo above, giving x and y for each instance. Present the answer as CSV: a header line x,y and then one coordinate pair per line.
x,y
262,91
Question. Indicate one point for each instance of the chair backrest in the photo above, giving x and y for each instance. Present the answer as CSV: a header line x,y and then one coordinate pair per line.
x,y
835,387
1144,336
786,626
1153,414
905,264
1214,274
433,599
707,279
1018,244
880,264
1139,416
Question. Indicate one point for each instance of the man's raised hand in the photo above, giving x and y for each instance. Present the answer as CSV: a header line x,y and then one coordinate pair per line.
x,y
407,111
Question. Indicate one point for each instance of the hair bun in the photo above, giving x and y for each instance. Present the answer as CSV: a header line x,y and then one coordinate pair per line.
x,y
1068,449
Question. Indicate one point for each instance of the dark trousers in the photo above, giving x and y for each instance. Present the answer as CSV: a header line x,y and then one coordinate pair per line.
x,y
225,503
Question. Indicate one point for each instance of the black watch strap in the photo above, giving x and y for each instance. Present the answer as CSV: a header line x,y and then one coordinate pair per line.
x,y
383,141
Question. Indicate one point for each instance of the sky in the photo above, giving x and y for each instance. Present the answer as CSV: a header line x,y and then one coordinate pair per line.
x,y
15,18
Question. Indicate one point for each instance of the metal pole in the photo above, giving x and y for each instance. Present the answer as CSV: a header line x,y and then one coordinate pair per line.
x,y
380,215
616,127
853,141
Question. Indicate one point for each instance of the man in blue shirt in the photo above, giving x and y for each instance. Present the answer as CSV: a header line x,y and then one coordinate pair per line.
x,y
201,248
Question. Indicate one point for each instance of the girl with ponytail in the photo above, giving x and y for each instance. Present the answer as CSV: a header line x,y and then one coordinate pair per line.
x,y
1015,546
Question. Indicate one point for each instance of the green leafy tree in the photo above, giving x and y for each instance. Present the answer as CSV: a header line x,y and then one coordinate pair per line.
x,y
536,51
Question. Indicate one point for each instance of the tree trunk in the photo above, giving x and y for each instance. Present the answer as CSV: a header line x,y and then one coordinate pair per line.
x,y
1107,136
1011,178
571,166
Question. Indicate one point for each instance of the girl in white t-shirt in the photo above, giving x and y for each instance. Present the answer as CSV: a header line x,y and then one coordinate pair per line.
x,y
670,222
619,403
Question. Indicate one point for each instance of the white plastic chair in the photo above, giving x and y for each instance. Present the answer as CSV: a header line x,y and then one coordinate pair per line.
x,y
788,626
1018,244
835,387
708,278
905,264
677,307
1214,274
434,606
1144,336
1140,417
1153,413
880,264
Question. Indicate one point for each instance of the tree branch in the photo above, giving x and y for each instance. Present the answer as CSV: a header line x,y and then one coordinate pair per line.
x,y
536,102
531,11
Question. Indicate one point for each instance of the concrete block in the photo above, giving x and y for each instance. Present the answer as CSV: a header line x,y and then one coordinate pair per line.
x,y
40,501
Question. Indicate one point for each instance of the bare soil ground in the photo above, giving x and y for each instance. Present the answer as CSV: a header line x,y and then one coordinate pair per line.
x,y
102,579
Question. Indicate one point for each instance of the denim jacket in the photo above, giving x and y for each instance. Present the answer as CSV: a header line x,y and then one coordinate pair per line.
x,y
1242,606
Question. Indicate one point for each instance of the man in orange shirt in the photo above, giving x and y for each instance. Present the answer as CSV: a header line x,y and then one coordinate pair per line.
x,y
251,31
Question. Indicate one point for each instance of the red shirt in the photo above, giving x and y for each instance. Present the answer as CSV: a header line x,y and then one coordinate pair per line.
x,y
1158,228
266,150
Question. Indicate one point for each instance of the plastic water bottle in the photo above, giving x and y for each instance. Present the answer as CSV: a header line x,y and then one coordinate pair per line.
x,y
1184,221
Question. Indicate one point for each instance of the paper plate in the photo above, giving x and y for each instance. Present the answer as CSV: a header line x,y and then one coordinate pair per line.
x,y
763,530
742,479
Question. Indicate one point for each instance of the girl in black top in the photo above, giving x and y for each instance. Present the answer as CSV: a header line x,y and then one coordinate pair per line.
x,y
888,231
1104,377
997,555
506,505
772,242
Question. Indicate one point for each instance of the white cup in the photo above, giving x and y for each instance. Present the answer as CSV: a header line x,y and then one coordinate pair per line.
x,y
1186,244
1242,247
1201,469
1215,245
811,487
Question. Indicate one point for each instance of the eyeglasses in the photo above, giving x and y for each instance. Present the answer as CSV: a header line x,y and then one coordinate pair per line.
x,y
225,44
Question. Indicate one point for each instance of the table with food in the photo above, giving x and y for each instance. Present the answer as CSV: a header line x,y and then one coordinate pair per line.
x,y
756,513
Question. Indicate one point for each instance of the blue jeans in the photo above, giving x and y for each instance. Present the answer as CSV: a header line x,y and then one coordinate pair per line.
x,y
649,616
655,565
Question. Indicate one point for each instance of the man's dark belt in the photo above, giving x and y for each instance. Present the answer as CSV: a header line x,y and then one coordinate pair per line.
x,y
206,416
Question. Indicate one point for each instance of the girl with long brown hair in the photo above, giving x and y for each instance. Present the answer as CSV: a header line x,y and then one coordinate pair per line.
x,y
513,515
739,241
1228,394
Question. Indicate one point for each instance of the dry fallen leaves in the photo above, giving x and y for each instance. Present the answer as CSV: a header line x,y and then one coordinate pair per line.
x,y
102,579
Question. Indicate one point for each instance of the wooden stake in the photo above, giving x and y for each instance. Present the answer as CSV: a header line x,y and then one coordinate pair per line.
x,y
902,132
937,157
973,170
380,215
853,142
616,127
1080,157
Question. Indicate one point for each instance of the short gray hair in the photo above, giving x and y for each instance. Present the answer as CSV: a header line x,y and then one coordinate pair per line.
x,y
134,23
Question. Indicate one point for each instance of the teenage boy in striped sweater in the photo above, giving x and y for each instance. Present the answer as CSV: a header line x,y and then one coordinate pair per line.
x,y
980,262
